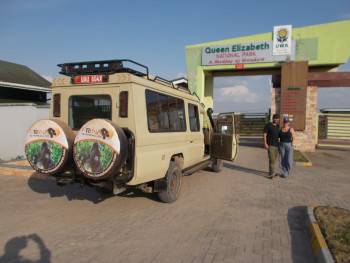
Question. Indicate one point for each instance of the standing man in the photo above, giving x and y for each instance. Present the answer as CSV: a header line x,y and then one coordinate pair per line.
x,y
271,142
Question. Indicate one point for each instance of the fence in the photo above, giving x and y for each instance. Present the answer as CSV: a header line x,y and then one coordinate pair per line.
x,y
334,126
251,124
15,119
249,128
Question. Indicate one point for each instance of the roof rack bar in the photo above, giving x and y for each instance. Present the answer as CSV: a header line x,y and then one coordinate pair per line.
x,y
168,82
141,65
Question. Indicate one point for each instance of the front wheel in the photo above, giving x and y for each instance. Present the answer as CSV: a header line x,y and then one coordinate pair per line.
x,y
173,184
216,165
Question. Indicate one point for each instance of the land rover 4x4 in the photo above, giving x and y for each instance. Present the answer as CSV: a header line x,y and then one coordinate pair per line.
x,y
114,126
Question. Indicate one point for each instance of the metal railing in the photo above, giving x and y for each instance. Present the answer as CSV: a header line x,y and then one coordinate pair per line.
x,y
251,124
334,126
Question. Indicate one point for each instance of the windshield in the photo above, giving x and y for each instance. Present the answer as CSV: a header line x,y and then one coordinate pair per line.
x,y
83,108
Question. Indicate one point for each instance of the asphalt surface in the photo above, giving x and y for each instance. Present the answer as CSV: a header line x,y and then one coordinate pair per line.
x,y
236,215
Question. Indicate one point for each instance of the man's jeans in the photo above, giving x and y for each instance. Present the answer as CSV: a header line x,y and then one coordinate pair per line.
x,y
272,153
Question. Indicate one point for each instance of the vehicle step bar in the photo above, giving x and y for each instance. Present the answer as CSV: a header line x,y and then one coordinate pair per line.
x,y
196,167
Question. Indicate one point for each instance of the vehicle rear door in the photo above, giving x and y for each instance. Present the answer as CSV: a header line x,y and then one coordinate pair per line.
x,y
224,142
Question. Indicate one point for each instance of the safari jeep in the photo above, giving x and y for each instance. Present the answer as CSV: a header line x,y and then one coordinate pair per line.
x,y
113,126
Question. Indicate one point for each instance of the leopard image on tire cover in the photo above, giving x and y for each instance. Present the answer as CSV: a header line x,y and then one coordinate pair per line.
x,y
100,148
48,146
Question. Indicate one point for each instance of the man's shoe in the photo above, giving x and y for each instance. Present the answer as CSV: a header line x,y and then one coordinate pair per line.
x,y
271,176
275,175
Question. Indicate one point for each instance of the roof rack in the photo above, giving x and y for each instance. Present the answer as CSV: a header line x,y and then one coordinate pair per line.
x,y
164,81
73,69
103,66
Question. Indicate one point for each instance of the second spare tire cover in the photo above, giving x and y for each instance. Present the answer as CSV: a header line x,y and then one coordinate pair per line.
x,y
100,148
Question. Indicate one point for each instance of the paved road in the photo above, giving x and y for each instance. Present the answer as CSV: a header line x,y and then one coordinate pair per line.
x,y
235,216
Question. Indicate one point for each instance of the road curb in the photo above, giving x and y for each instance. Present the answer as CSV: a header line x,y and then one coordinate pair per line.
x,y
318,243
18,168
304,164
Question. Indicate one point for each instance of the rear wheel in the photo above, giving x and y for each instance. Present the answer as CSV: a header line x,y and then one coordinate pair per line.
x,y
173,184
216,165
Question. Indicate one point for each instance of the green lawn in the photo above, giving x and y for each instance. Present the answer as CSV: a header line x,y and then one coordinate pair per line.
x,y
300,157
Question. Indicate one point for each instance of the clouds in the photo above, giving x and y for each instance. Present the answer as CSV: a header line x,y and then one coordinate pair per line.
x,y
181,75
237,94
253,94
47,77
242,94
344,16
333,98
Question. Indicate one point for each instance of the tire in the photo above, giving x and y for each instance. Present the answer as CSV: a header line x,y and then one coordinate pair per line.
x,y
217,165
173,184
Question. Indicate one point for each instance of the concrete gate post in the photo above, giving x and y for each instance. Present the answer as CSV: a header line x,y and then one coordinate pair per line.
x,y
305,140
208,90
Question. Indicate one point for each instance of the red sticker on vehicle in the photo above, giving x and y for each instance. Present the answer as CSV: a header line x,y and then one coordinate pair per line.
x,y
87,79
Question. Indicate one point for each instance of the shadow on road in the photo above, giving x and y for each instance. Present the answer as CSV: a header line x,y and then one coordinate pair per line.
x,y
245,169
301,246
136,193
72,191
251,142
75,192
15,245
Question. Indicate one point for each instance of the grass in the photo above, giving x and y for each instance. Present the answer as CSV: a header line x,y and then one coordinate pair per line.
x,y
335,226
300,157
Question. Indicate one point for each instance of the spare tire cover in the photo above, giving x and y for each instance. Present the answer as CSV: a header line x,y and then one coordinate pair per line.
x,y
48,146
100,148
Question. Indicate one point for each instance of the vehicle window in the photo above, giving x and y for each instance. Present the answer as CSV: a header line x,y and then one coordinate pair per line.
x,y
224,125
57,105
123,104
176,114
180,107
83,108
194,117
164,113
152,111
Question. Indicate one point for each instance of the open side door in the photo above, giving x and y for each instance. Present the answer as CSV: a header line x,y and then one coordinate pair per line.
x,y
224,142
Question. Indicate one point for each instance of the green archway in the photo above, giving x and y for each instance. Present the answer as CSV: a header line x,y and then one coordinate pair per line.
x,y
324,45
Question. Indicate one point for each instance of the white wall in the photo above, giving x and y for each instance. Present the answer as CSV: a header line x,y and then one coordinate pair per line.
x,y
15,119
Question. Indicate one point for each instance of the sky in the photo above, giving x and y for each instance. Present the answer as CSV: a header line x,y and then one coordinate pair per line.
x,y
43,33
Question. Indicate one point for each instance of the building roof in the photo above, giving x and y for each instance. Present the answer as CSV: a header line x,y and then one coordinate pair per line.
x,y
335,110
182,82
20,74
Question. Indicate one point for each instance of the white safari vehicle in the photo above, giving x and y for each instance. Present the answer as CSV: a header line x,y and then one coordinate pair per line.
x,y
113,126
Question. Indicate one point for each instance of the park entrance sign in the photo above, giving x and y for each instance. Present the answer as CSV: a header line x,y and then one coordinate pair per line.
x,y
282,40
242,53
300,61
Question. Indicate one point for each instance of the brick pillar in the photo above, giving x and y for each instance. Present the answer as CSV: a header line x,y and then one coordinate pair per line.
x,y
305,140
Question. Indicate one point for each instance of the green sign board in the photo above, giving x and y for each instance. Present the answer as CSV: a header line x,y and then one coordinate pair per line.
x,y
245,53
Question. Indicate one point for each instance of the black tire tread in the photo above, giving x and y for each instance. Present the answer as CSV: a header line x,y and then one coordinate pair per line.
x,y
165,196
